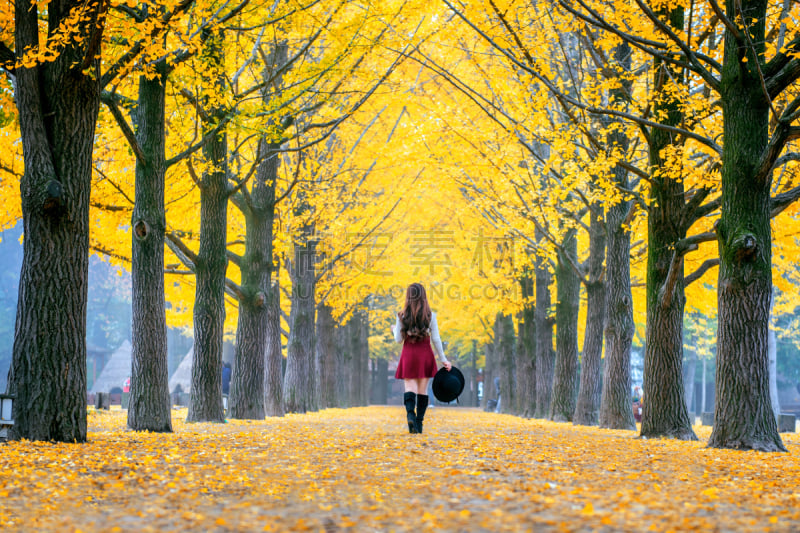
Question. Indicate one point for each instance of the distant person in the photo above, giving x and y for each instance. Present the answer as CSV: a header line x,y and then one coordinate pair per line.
x,y
226,378
637,404
416,328
127,386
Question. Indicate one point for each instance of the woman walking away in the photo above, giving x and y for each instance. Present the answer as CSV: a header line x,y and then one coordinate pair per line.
x,y
416,327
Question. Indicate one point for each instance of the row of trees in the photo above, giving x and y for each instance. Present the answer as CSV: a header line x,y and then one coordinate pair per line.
x,y
268,90
513,158
608,115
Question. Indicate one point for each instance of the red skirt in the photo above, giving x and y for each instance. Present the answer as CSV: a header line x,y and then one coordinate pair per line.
x,y
416,360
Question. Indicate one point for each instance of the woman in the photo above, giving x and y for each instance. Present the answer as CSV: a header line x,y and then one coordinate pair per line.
x,y
416,327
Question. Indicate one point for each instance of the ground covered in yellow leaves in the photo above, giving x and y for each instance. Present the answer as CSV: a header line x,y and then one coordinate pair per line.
x,y
360,470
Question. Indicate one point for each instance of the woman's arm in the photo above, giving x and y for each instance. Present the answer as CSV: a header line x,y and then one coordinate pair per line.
x,y
398,335
437,342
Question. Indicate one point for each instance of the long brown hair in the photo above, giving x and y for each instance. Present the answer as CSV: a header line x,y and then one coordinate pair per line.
x,y
416,315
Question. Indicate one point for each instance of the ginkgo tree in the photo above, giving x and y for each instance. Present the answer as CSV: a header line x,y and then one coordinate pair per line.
x,y
55,66
751,86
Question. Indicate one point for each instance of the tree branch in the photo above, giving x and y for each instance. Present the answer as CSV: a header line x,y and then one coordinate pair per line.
x,y
8,59
133,12
234,290
781,201
702,269
95,40
783,134
652,48
99,249
668,288
183,252
128,57
234,258
689,244
108,99
689,211
687,51
729,25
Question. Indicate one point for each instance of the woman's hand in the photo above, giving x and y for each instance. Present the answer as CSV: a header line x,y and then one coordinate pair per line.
x,y
447,365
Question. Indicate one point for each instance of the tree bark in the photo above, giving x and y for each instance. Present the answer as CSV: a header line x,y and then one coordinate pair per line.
x,y
504,356
743,417
150,407
343,363
273,374
526,370
212,261
664,411
58,103
488,375
380,388
545,356
300,382
615,401
326,356
587,410
772,350
247,394
565,377
358,370
474,365
689,374
363,359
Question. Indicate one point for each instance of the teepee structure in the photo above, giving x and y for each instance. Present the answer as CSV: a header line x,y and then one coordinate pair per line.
x,y
183,374
116,370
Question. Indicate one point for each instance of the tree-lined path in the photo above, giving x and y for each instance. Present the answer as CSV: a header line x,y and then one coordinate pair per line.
x,y
355,470
598,195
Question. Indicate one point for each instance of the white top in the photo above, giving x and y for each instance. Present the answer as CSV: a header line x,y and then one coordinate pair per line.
x,y
434,334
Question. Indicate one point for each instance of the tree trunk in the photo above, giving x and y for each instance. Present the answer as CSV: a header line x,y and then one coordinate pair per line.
x,y
664,411
326,356
526,370
247,394
545,356
247,391
343,364
488,375
358,369
149,408
689,374
380,389
353,350
565,377
616,410
58,103
363,358
772,350
703,389
212,260
474,365
273,373
743,417
504,356
469,396
300,382
587,410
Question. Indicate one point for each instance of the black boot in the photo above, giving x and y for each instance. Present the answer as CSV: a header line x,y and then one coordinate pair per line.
x,y
422,406
410,400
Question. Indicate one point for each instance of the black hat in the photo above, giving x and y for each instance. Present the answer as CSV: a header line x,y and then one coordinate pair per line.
x,y
447,385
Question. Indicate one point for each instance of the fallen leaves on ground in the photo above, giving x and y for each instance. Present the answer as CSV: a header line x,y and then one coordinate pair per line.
x,y
359,470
